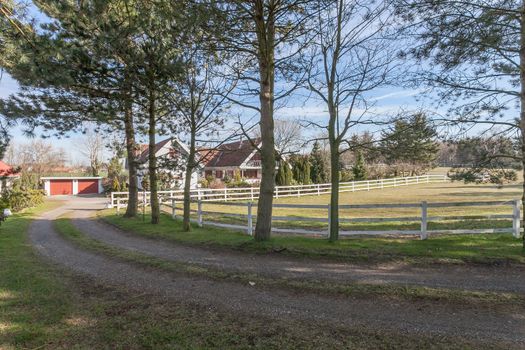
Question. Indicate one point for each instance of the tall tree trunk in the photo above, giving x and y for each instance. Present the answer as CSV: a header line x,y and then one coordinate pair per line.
x,y
129,127
263,227
154,199
334,193
522,106
186,224
265,36
334,175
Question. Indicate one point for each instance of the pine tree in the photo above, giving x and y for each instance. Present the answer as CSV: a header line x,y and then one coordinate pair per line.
x,y
284,174
359,169
412,142
301,169
318,173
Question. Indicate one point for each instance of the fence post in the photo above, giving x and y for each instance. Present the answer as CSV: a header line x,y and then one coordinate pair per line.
x,y
417,179
329,219
112,199
118,205
424,206
143,205
251,193
173,215
199,213
250,219
225,194
318,189
353,186
381,183
276,192
199,194
406,181
428,178
298,191
516,216
368,185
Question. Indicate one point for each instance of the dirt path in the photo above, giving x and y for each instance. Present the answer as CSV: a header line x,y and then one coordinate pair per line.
x,y
483,278
501,326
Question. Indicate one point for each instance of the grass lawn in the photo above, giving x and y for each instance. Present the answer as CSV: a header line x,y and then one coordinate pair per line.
x,y
45,307
446,192
482,248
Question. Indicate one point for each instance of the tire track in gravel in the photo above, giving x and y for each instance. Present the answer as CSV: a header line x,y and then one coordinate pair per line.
x,y
477,278
504,326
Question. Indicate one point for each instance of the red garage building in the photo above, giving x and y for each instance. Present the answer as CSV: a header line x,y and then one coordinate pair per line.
x,y
72,185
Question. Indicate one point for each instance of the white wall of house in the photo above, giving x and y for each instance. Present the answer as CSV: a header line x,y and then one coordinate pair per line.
x,y
179,173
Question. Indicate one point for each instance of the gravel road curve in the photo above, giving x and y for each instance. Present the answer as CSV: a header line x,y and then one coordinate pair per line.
x,y
502,325
482,278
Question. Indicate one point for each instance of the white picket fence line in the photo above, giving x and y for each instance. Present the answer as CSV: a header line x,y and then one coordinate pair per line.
x,y
423,232
119,199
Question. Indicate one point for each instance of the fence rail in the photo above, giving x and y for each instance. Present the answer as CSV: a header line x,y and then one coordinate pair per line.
x,y
423,218
119,199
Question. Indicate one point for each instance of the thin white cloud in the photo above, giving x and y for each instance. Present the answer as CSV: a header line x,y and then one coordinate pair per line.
x,y
402,93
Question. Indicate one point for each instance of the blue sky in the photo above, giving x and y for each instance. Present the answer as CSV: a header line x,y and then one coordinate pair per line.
x,y
386,100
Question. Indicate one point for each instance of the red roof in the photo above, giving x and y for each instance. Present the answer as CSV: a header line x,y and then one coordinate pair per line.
x,y
6,170
232,154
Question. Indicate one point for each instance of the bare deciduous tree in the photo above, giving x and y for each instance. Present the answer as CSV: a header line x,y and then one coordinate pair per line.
x,y
288,136
350,57
91,146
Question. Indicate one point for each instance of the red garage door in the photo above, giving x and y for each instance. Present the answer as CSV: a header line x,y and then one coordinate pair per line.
x,y
87,186
61,187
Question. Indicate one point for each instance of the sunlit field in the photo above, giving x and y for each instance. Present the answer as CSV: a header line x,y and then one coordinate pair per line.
x,y
446,192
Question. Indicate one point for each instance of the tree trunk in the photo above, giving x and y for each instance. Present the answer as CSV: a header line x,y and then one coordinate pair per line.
x,y
154,199
186,224
522,105
334,193
263,227
133,191
265,39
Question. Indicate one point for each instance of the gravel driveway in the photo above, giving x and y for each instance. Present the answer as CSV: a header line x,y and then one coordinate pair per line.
x,y
483,278
502,324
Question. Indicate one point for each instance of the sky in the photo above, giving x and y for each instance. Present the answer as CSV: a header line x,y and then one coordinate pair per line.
x,y
387,100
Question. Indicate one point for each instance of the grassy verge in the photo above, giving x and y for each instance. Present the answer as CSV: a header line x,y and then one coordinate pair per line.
x,y
70,232
481,248
43,307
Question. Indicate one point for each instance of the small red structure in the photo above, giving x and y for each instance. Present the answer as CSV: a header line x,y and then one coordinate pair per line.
x,y
7,175
71,185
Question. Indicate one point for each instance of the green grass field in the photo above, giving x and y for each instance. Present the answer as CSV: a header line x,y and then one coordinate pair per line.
x,y
486,248
481,248
45,307
445,192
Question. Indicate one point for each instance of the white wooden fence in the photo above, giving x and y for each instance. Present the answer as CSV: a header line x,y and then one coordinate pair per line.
x,y
119,199
423,218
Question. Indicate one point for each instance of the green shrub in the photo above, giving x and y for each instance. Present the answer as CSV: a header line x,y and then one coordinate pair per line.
x,y
17,199
238,184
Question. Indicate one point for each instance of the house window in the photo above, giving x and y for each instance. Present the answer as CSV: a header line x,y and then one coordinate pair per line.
x,y
218,174
208,173
250,174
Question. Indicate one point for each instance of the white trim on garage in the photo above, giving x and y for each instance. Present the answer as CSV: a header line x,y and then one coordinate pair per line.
x,y
47,182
